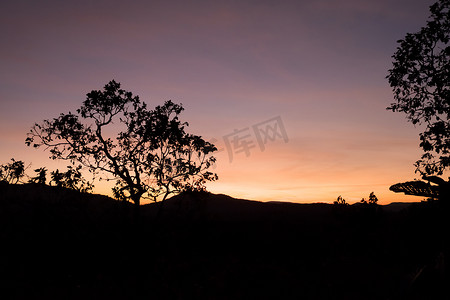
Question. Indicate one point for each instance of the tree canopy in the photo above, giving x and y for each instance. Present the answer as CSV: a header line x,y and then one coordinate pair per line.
x,y
147,152
71,179
420,82
13,171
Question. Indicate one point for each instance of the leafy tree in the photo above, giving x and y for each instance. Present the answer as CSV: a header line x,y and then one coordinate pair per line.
x,y
71,179
420,82
41,176
12,172
340,201
373,200
149,156
57,178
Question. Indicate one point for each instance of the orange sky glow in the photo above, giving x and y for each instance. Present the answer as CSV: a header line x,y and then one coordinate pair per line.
x,y
319,67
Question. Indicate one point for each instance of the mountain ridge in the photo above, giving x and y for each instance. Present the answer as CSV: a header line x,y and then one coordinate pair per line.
x,y
60,244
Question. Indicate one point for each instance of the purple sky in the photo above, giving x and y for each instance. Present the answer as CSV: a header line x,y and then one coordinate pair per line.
x,y
318,65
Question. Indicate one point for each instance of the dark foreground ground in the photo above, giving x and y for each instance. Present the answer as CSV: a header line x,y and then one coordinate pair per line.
x,y
58,244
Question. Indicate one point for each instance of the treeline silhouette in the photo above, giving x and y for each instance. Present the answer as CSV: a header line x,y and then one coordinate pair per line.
x,y
15,172
58,243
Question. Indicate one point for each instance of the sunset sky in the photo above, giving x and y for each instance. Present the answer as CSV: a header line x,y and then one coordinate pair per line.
x,y
316,67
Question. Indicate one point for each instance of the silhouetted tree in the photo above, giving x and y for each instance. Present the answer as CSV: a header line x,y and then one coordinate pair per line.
x,y
369,212
151,155
340,201
420,80
12,172
340,207
373,199
71,179
41,176
57,178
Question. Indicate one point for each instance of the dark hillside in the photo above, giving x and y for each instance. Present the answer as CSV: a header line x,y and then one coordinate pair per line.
x,y
223,208
59,244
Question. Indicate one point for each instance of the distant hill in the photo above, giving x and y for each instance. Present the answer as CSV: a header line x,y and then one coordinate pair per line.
x,y
186,204
61,244
32,199
37,199
33,192
219,207
398,206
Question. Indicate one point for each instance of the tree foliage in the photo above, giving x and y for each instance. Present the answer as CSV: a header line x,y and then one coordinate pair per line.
x,y
147,152
41,176
71,179
420,82
340,201
12,172
373,200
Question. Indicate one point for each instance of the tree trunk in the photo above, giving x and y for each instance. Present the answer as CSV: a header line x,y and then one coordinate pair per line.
x,y
160,207
136,207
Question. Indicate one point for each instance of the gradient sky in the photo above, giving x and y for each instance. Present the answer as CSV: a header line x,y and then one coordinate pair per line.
x,y
318,65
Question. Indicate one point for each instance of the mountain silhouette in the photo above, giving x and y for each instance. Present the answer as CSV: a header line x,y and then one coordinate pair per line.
x,y
62,244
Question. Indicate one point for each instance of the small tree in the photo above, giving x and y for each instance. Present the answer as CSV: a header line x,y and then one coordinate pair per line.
x,y
420,80
150,155
41,176
373,200
57,178
340,201
12,172
71,179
